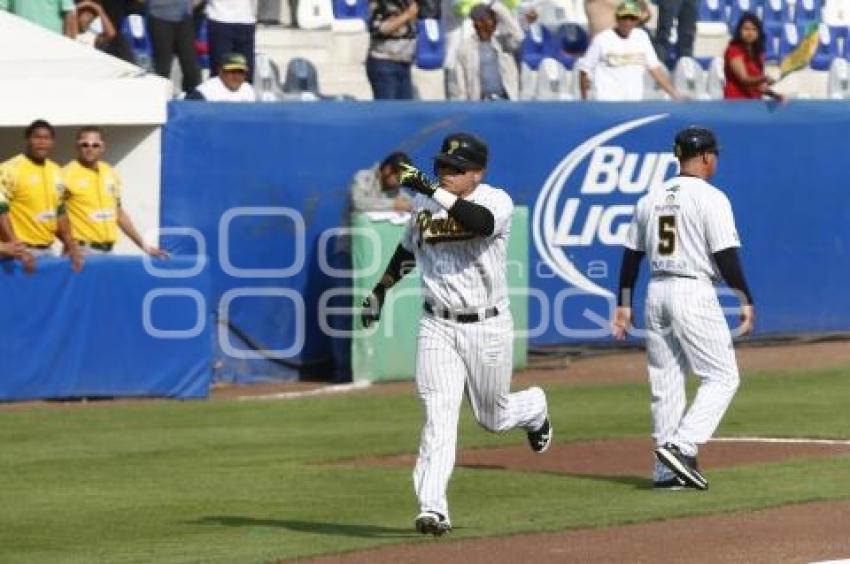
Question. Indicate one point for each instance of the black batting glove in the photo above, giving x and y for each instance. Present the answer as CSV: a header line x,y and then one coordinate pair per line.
x,y
371,306
413,178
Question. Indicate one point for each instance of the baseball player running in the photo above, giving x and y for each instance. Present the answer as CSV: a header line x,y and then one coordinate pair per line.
x,y
687,231
457,235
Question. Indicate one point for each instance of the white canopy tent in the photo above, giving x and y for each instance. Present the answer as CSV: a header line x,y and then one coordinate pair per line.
x,y
48,76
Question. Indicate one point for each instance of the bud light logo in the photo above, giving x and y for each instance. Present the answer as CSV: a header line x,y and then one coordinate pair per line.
x,y
572,213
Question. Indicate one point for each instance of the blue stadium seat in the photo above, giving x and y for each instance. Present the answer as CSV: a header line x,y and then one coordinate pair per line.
x,y
536,45
712,11
772,38
351,9
827,49
776,14
430,44
738,7
135,30
790,38
841,35
807,11
570,43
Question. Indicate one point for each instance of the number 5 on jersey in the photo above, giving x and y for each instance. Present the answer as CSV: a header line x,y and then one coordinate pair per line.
x,y
666,234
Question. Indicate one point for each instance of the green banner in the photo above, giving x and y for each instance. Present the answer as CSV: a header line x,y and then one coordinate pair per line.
x,y
388,351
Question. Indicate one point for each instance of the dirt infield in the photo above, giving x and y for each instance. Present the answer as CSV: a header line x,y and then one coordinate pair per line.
x,y
797,533
621,457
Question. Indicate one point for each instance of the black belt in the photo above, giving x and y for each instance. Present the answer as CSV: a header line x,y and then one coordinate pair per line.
x,y
461,317
40,247
105,247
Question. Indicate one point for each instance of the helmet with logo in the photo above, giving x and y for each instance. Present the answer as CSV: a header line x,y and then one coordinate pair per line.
x,y
463,151
693,141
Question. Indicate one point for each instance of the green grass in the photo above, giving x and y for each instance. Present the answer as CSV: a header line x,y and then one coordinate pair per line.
x,y
227,481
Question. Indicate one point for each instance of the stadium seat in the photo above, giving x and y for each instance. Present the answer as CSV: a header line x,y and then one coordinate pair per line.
x,y
552,81
790,38
838,82
776,14
715,79
267,79
315,14
430,44
841,34
651,90
772,38
827,49
570,43
535,45
302,80
135,30
351,9
527,82
836,13
738,7
712,11
689,78
202,45
807,11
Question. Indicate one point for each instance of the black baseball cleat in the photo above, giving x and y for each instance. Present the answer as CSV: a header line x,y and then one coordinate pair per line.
x,y
432,523
540,439
684,466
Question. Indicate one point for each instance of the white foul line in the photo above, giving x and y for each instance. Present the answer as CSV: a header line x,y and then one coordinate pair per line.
x,y
325,390
781,440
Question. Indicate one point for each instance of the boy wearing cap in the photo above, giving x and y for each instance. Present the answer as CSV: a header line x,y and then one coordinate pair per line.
x,y
615,61
229,85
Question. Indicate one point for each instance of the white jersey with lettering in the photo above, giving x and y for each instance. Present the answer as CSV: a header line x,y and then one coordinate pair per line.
x,y
679,226
463,274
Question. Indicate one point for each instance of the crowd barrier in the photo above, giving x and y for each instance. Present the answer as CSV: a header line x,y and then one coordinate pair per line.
x,y
118,328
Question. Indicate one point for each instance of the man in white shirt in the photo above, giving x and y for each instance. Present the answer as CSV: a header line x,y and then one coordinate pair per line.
x,y
615,61
229,85
231,26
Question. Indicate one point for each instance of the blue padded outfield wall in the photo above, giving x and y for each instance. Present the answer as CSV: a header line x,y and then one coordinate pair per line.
x,y
115,329
257,185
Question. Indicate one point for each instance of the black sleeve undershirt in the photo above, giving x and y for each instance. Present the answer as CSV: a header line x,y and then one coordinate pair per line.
x,y
629,270
730,268
400,264
473,217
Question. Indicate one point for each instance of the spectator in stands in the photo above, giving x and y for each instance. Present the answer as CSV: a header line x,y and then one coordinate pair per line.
x,y
231,26
744,62
617,58
94,28
684,13
33,185
486,67
93,198
601,14
55,15
392,45
116,11
230,85
171,31
378,189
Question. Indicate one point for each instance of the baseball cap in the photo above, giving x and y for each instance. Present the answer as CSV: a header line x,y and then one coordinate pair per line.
x,y
693,141
234,61
463,151
629,8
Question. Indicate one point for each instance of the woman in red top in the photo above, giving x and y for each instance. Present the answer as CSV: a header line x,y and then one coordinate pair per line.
x,y
744,62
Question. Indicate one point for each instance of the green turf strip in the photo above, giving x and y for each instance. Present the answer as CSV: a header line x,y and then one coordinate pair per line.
x,y
226,481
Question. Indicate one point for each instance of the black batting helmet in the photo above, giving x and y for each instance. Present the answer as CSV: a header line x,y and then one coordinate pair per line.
x,y
463,151
693,141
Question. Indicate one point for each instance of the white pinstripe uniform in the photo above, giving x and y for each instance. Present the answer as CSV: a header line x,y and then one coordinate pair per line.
x,y
463,273
679,226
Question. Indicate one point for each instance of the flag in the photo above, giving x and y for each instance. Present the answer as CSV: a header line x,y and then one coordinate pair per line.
x,y
802,55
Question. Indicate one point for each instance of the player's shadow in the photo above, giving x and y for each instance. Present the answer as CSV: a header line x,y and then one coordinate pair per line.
x,y
636,482
357,530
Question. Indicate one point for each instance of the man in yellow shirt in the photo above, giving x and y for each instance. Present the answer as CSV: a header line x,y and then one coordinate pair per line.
x,y
33,187
93,198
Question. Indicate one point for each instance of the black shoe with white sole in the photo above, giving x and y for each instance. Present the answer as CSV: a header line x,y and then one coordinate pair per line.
x,y
674,484
541,439
432,523
684,466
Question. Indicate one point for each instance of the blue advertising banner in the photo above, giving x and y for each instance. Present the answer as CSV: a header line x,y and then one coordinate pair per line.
x,y
263,188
